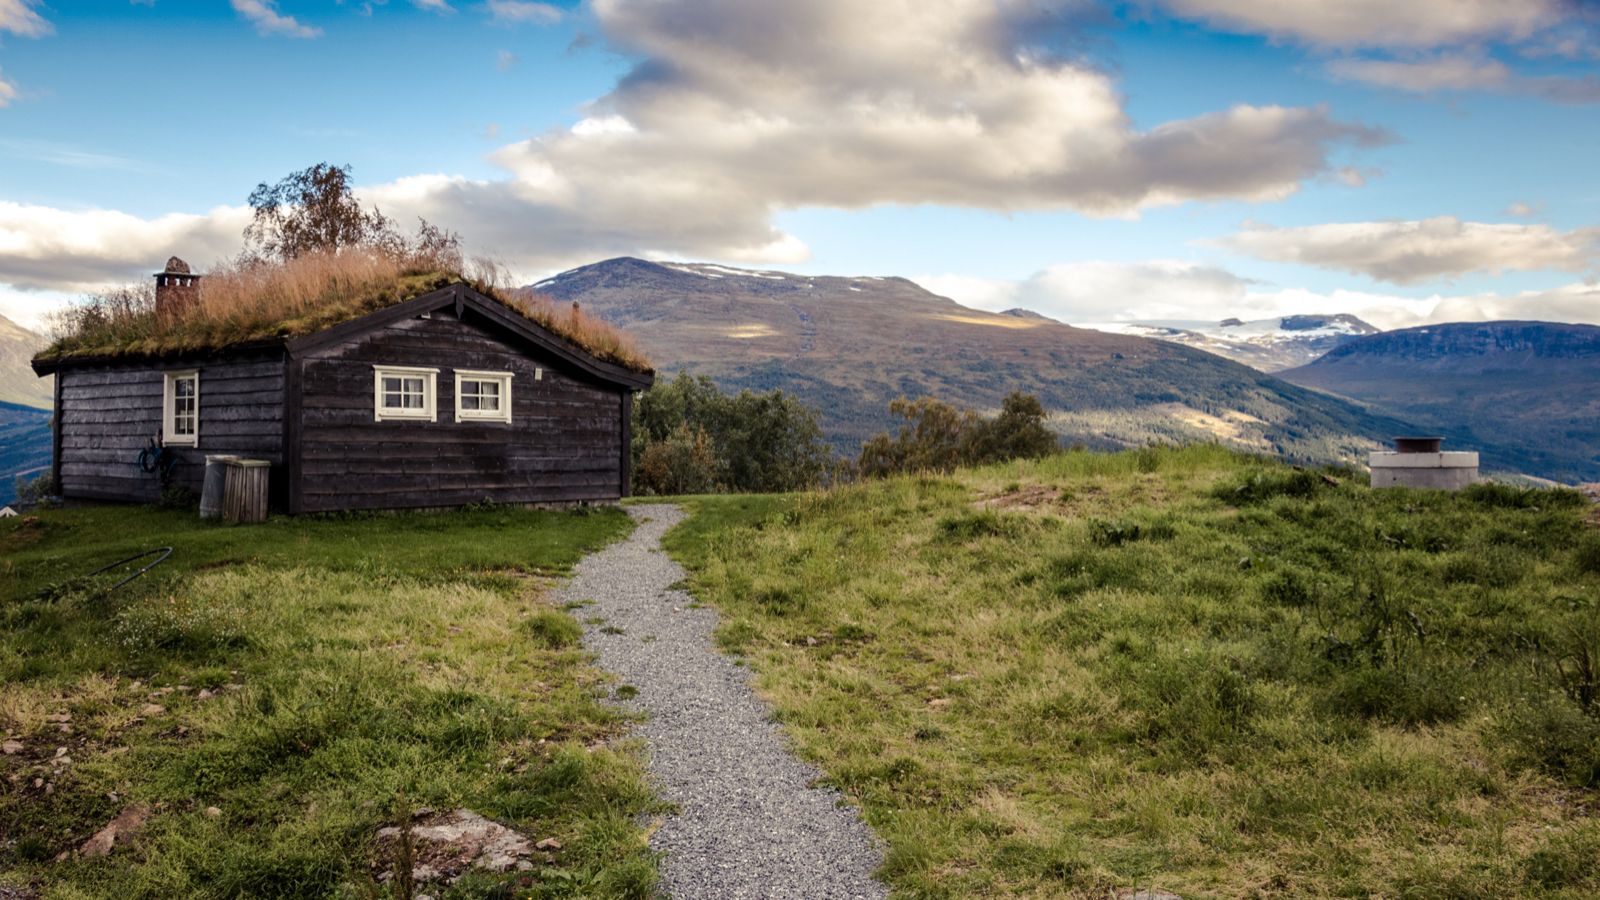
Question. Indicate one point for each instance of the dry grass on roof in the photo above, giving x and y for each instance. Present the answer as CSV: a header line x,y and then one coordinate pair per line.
x,y
242,303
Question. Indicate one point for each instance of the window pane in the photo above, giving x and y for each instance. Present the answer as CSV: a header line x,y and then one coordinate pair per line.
x,y
489,388
470,401
183,387
392,401
391,385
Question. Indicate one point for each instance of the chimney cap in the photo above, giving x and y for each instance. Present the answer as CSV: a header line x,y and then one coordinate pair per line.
x,y
176,266
1418,443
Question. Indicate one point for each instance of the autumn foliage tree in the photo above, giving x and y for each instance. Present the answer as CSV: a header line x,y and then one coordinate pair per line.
x,y
315,210
939,437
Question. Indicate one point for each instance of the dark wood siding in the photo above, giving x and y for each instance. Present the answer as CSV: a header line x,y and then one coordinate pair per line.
x,y
563,445
107,415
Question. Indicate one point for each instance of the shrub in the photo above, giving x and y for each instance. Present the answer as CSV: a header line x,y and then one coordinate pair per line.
x,y
939,437
683,463
755,443
34,491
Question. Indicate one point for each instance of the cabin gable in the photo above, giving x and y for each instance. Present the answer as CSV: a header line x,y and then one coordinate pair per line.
x,y
564,443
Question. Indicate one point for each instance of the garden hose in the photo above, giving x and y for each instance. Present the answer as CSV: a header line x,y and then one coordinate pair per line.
x,y
164,551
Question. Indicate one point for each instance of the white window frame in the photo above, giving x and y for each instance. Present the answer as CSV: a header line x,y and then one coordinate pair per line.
x,y
503,414
430,394
169,435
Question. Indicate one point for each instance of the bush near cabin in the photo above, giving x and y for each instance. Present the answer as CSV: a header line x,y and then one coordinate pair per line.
x,y
689,437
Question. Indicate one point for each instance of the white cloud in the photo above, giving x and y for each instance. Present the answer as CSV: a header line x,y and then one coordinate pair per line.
x,y
1424,76
504,60
1109,292
1096,291
8,92
1379,23
32,310
52,249
739,109
268,21
18,17
1522,210
1407,252
521,12
1463,73
438,6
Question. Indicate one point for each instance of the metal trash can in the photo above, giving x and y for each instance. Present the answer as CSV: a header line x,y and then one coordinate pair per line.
x,y
244,491
211,488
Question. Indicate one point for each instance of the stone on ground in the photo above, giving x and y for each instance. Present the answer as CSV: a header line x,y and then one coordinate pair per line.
x,y
446,845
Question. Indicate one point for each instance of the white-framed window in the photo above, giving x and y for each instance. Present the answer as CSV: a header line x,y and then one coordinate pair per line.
x,y
180,409
483,396
405,393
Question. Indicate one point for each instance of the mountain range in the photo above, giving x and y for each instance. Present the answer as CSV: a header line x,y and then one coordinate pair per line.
x,y
848,346
25,401
1526,394
1270,345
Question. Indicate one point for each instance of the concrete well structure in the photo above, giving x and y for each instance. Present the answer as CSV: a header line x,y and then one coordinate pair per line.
x,y
1417,462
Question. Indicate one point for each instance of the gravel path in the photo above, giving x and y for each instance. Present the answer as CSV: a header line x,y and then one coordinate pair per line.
x,y
749,823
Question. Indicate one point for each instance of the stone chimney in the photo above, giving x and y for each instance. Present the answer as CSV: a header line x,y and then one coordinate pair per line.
x,y
176,288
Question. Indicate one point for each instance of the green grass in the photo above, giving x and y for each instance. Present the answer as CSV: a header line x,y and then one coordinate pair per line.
x,y
1181,668
348,664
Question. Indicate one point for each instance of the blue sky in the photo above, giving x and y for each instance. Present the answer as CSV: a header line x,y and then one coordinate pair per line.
x,y
1097,161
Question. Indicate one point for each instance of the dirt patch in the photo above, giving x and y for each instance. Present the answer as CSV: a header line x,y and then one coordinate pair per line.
x,y
118,832
1032,498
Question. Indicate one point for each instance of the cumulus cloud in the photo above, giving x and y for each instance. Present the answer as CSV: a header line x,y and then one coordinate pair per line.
x,y
739,109
1100,293
1407,252
1380,23
51,249
18,17
1463,73
268,21
522,12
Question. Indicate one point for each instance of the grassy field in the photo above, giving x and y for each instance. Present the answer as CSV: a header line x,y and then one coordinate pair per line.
x,y
1184,669
304,679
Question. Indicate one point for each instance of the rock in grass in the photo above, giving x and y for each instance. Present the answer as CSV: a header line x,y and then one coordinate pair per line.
x,y
117,832
447,844
11,748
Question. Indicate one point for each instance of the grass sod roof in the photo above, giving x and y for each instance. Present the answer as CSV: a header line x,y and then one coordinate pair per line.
x,y
240,317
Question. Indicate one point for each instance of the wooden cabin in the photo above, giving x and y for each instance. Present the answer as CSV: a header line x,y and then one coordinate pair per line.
x,y
449,398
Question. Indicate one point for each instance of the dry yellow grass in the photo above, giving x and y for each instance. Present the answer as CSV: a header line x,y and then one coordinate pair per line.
x,y
248,301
